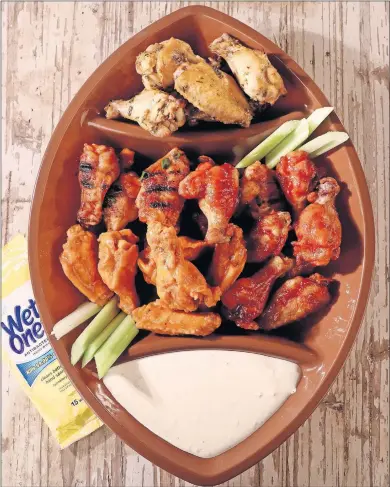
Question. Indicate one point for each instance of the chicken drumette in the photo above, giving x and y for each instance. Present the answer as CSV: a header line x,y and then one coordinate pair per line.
x,y
98,169
246,299
294,300
158,199
118,254
318,228
216,188
79,261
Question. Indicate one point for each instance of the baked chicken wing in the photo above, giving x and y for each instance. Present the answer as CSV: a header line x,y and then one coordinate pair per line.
x,y
79,260
158,112
158,318
180,285
213,92
268,236
119,207
318,229
118,254
98,169
216,188
228,259
158,199
294,300
297,177
246,299
252,68
159,61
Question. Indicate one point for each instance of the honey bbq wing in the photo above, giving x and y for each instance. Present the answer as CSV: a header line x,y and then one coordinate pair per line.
x,y
79,260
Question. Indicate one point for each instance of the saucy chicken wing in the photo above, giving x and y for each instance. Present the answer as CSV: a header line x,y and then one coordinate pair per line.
x,y
118,254
159,61
216,188
158,318
246,299
228,259
297,177
119,207
158,199
79,260
158,112
98,169
213,92
180,285
294,300
252,68
318,229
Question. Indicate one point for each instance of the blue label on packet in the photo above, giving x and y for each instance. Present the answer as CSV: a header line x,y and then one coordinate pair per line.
x,y
30,370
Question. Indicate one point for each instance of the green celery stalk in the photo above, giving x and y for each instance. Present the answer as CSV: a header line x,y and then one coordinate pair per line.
x,y
115,345
100,339
323,143
97,325
317,117
74,319
268,144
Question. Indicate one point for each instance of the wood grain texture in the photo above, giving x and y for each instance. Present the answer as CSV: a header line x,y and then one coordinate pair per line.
x,y
49,50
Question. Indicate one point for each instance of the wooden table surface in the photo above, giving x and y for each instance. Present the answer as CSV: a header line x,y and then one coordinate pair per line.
x,y
49,50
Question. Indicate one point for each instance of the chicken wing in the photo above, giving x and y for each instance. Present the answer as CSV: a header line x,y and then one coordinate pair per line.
x,y
318,229
268,236
294,300
228,259
213,92
158,112
246,299
252,68
180,285
159,61
118,254
119,207
297,176
158,318
158,199
79,261
217,189
98,169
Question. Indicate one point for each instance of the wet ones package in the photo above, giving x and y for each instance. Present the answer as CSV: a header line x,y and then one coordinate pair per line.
x,y
30,356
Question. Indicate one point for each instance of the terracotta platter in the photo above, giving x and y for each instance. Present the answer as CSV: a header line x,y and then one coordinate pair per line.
x,y
319,345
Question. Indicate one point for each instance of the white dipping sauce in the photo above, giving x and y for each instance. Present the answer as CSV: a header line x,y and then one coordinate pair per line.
x,y
203,401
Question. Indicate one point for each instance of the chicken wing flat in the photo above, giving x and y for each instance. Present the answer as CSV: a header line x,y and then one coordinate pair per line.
x,y
118,254
252,68
246,299
98,169
158,112
119,207
228,259
213,92
158,199
268,236
159,61
294,300
217,190
297,177
158,318
79,260
318,229
180,285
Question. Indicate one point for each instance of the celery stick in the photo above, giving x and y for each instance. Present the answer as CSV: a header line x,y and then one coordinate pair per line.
x,y
108,313
268,144
291,142
115,345
317,117
100,339
323,143
74,319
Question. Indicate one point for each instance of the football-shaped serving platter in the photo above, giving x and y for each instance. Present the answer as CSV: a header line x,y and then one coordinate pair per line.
x,y
319,345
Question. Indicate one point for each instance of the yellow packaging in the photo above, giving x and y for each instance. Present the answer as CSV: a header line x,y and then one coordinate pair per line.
x,y
30,356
